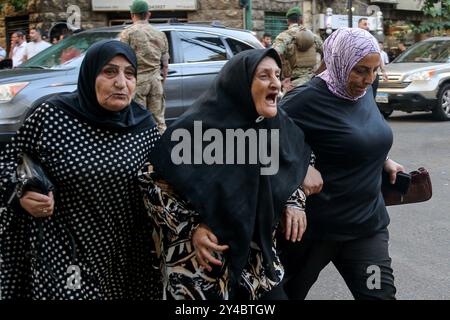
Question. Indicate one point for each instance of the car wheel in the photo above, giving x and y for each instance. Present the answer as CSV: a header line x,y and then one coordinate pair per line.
x,y
442,110
386,113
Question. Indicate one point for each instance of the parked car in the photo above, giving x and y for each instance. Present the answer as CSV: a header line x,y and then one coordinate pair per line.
x,y
418,80
197,53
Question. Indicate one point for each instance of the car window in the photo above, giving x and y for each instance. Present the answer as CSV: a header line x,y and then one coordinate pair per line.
x,y
237,46
428,51
202,47
65,53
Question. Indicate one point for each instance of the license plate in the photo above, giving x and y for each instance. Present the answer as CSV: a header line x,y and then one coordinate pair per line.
x,y
382,97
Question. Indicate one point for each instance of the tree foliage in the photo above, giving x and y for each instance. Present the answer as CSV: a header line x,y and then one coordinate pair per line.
x,y
18,5
439,10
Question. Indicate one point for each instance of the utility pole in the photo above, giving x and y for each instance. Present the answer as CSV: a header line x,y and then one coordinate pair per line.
x,y
350,13
248,18
247,13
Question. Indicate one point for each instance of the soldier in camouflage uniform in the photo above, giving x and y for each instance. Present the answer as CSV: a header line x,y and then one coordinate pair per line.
x,y
152,51
298,48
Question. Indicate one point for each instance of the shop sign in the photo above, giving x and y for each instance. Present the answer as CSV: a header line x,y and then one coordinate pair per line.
x,y
410,5
385,1
158,5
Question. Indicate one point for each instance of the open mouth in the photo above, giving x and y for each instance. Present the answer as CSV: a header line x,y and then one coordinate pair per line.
x,y
271,98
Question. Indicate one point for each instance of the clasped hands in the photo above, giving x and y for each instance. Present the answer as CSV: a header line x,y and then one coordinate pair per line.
x,y
293,225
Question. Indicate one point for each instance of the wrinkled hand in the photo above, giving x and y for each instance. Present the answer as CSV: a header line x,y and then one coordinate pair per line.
x,y
38,205
313,182
205,242
392,167
293,224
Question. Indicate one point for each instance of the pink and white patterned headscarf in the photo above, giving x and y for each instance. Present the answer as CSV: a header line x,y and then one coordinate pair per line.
x,y
343,49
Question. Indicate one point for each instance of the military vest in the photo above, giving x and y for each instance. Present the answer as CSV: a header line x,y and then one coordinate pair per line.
x,y
302,51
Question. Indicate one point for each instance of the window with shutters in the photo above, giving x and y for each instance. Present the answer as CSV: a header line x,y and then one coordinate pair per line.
x,y
274,23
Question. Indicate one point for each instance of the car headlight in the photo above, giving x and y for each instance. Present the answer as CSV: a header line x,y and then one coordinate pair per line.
x,y
10,90
422,75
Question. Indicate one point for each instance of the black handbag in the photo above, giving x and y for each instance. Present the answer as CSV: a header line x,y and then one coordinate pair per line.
x,y
31,176
419,188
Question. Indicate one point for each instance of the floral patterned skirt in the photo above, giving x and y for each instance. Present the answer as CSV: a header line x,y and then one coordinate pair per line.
x,y
183,278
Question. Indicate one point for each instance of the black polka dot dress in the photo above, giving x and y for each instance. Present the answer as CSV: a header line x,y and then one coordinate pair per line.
x,y
98,243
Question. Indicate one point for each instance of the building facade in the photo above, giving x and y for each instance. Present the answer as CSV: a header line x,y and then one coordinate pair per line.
x,y
257,15
45,14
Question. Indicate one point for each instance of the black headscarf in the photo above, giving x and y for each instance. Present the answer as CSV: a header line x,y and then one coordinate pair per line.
x,y
236,201
83,103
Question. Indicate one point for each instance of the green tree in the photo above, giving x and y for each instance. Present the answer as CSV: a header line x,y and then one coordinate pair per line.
x,y
439,10
18,5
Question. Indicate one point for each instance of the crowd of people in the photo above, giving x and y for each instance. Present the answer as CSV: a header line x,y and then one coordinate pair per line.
x,y
128,220
20,50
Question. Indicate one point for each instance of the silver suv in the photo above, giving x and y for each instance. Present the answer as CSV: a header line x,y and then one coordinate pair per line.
x,y
197,53
418,80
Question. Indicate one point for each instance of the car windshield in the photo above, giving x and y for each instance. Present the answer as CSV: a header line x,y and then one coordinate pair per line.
x,y
67,53
427,51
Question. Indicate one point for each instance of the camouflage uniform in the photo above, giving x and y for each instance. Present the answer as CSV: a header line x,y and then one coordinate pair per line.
x,y
297,65
151,47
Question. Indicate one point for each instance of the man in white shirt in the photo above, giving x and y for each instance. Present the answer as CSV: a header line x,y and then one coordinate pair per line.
x,y
384,55
36,44
17,50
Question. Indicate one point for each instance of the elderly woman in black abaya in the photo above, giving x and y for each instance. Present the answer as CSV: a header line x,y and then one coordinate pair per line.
x,y
91,238
216,217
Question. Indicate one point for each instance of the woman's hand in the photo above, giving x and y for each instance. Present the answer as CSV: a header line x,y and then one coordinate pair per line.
x,y
205,242
38,205
392,167
294,223
313,181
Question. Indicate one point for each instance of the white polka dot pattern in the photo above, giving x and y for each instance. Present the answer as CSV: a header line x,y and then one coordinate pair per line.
x,y
99,225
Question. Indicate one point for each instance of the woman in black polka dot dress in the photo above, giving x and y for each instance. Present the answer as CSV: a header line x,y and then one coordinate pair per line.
x,y
91,238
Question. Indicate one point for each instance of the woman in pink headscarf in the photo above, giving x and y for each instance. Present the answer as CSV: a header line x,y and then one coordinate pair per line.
x,y
347,221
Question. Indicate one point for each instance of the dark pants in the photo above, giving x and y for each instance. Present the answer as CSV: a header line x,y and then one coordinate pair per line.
x,y
277,293
364,264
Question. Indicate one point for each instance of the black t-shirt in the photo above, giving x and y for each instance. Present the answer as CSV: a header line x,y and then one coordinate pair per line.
x,y
351,141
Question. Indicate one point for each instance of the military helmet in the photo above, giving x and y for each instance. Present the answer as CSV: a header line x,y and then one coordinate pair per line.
x,y
139,6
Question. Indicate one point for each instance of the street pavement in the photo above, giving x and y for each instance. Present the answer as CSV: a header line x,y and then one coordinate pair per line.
x,y
419,233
